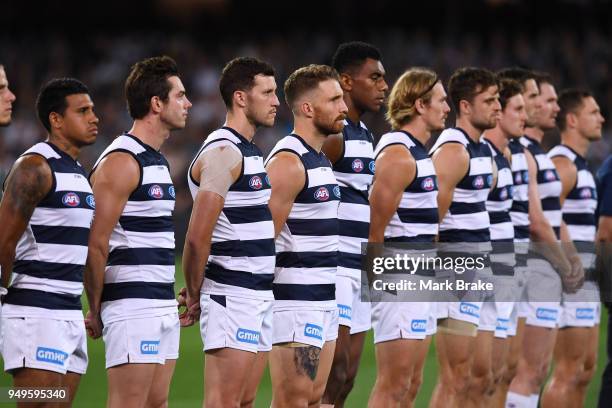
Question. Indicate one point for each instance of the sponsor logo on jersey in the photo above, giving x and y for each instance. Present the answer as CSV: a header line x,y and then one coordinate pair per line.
x,y
321,194
357,166
91,201
546,314
155,191
428,184
585,313
149,347
418,325
247,336
71,200
469,309
49,355
345,311
172,192
372,166
255,183
489,180
314,331
586,193
478,182
337,191
267,178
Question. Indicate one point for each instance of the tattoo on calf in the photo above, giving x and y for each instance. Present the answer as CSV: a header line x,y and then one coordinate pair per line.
x,y
307,360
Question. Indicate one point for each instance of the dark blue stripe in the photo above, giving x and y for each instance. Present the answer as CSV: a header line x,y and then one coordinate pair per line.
x,y
141,256
146,224
50,270
244,215
585,247
579,219
65,165
348,260
307,259
576,194
418,215
46,234
418,238
551,204
521,259
502,246
557,232
318,194
346,165
502,269
137,290
498,217
419,185
356,229
67,199
476,182
46,300
521,231
547,176
248,248
456,235
312,293
241,279
352,196
151,192
310,227
251,182
458,208
520,207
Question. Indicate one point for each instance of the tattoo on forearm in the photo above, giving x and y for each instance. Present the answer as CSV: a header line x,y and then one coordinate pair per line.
x,y
307,360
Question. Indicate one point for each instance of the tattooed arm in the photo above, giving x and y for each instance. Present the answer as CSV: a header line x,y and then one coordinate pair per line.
x,y
28,183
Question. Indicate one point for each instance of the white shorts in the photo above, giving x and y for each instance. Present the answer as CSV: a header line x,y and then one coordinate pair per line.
x,y
403,320
352,311
495,316
236,322
541,282
463,311
313,327
44,344
581,309
144,340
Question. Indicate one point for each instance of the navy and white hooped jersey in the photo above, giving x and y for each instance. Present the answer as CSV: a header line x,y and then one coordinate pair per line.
x,y
467,219
307,246
549,184
416,217
498,204
139,277
242,253
50,256
519,212
354,171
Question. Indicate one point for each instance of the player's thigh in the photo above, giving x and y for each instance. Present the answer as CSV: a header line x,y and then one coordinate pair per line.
x,y
71,381
133,379
538,342
293,369
160,387
227,370
259,366
570,345
400,357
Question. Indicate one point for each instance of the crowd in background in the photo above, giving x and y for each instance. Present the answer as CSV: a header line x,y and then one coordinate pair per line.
x,y
103,60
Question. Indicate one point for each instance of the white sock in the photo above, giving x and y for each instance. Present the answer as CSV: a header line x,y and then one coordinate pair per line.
x,y
514,400
533,400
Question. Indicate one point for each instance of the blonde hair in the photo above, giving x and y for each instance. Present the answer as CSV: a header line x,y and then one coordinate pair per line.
x,y
415,83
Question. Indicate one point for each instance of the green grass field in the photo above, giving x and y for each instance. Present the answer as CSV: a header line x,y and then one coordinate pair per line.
x,y
187,384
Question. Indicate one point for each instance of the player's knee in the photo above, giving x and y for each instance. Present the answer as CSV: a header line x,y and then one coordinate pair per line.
x,y
460,378
415,385
481,382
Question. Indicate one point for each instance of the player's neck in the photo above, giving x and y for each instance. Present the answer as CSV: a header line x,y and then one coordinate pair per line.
x,y
240,124
498,138
419,130
535,133
64,145
150,131
311,135
354,114
468,128
576,142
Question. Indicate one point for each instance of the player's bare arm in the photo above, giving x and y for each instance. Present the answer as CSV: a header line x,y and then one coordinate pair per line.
x,y
287,178
334,147
451,162
28,183
113,181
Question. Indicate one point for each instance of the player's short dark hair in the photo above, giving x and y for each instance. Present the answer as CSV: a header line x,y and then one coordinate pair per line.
x,y
239,75
570,101
52,97
148,78
543,78
519,74
466,83
353,54
507,89
305,79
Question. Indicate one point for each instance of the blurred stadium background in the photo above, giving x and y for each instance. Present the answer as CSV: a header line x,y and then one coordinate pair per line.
x,y
98,42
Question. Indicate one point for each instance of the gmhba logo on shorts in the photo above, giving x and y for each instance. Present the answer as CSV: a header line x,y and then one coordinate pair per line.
x,y
469,309
247,336
149,347
49,355
418,325
314,331
585,313
546,314
344,311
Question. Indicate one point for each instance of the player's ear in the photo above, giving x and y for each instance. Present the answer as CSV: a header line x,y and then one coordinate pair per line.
x,y
465,107
346,82
156,104
571,120
239,98
55,120
307,109
419,106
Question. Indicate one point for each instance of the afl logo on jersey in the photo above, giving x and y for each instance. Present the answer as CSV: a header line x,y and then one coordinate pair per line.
x,y
357,166
478,182
428,184
586,193
156,191
322,194
372,166
71,200
518,178
90,201
337,191
255,183
172,192
549,175
503,193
